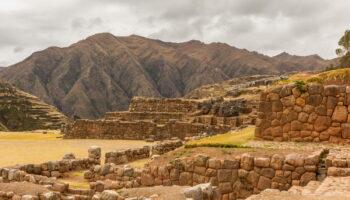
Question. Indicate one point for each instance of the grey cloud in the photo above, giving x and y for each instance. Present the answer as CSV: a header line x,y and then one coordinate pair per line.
x,y
18,49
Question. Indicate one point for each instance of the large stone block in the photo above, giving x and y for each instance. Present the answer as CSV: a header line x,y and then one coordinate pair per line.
x,y
340,114
247,162
288,101
322,123
315,88
331,90
314,100
346,130
264,183
295,159
224,175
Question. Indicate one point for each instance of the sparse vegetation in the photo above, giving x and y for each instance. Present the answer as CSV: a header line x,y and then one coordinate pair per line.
x,y
344,51
228,140
300,86
182,153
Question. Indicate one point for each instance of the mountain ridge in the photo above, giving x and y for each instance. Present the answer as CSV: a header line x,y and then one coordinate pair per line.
x,y
103,72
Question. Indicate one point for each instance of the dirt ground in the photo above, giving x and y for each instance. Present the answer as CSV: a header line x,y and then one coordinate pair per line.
x,y
36,147
163,192
23,188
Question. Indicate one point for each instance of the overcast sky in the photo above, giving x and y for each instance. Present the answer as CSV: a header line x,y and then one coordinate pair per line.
x,y
299,27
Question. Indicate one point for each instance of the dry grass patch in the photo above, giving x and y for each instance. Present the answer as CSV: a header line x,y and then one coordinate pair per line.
x,y
35,147
233,140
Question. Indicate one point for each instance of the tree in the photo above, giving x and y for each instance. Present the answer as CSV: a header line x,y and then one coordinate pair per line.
x,y
344,51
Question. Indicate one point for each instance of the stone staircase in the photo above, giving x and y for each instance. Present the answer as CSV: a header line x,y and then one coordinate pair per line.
x,y
332,188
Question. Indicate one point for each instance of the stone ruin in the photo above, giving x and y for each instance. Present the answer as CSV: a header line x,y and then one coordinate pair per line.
x,y
305,113
160,119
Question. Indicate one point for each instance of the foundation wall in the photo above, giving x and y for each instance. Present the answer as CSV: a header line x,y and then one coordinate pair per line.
x,y
309,113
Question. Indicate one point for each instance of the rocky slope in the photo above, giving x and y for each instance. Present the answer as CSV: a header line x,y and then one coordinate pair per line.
x,y
21,111
103,72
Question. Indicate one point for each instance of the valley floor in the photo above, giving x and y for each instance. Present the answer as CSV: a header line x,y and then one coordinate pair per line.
x,y
35,147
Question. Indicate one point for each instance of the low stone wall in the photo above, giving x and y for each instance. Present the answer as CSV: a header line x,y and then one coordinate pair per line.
x,y
129,155
156,116
140,104
137,130
58,168
305,113
237,178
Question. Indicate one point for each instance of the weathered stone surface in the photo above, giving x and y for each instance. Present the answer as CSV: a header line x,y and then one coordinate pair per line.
x,y
109,195
346,130
147,179
295,159
277,161
332,102
262,162
264,183
296,125
331,90
322,123
340,114
185,178
314,100
277,106
303,117
224,175
315,88
214,163
267,172
288,101
247,162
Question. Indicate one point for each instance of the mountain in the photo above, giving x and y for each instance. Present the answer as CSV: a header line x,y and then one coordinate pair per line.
x,y
103,72
20,111
311,62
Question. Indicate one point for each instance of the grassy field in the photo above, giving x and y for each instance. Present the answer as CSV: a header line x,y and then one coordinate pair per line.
x,y
236,139
36,147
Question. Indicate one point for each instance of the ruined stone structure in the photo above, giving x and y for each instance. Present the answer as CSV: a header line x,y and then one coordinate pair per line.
x,y
236,178
129,155
160,119
305,113
43,177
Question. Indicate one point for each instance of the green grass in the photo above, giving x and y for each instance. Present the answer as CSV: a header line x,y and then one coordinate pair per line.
x,y
228,140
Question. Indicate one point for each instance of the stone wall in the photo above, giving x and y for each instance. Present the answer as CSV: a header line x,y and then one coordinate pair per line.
x,y
162,119
138,130
310,113
157,116
58,168
129,155
236,178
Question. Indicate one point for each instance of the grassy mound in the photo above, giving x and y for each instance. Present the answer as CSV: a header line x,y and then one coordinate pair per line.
x,y
228,140
338,77
341,76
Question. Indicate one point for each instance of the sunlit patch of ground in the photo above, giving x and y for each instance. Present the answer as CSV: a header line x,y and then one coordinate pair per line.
x,y
76,179
35,147
236,139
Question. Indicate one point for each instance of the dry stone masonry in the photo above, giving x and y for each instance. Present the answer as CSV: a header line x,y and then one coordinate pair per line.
x,y
160,119
129,155
236,178
309,113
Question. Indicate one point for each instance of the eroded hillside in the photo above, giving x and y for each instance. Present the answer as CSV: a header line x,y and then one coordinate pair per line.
x,y
21,111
